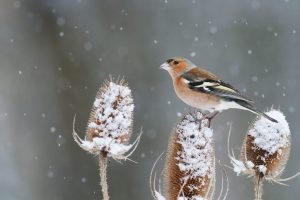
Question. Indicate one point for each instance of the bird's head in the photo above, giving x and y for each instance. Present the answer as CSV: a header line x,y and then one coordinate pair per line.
x,y
177,66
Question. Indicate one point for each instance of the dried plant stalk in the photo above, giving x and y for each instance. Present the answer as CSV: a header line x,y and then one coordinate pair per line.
x,y
190,164
103,175
258,187
109,127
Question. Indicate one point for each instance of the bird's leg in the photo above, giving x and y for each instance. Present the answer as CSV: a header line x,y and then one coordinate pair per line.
x,y
210,116
204,116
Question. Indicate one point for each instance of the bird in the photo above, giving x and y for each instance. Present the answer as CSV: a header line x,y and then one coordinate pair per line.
x,y
203,90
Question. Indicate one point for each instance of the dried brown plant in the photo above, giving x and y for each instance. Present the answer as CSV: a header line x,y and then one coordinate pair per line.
x,y
189,172
109,127
265,151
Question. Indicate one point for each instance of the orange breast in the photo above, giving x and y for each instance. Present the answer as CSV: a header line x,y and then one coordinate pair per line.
x,y
194,98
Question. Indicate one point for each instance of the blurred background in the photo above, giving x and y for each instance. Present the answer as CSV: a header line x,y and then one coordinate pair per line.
x,y
54,54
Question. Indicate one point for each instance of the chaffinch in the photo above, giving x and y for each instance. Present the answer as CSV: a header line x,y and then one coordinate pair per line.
x,y
205,91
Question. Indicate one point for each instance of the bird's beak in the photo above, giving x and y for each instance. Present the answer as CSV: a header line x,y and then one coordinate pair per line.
x,y
165,66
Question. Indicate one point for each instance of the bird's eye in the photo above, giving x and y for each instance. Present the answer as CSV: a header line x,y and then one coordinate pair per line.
x,y
175,62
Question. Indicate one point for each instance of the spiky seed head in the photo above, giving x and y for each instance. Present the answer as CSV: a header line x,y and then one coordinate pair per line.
x,y
190,164
112,112
266,146
110,124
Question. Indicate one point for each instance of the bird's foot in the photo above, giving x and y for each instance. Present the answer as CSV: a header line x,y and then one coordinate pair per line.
x,y
209,117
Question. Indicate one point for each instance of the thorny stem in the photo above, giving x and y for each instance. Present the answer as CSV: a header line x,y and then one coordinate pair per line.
x,y
258,188
103,173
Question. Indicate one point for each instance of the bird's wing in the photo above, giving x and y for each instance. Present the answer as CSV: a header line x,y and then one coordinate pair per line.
x,y
196,74
217,88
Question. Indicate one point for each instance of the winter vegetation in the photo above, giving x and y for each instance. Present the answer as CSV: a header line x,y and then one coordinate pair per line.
x,y
190,164
265,151
109,127
190,169
56,55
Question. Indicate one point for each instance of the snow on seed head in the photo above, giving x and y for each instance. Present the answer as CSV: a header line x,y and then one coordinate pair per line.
x,y
267,146
189,170
110,124
265,151
111,114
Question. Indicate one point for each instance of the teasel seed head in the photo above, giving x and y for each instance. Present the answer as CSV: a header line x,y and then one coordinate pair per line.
x,y
110,124
267,146
190,164
265,151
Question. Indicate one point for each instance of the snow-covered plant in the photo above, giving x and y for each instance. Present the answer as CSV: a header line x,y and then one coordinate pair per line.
x,y
109,127
265,151
189,172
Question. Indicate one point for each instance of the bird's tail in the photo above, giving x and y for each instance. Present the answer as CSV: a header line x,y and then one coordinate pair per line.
x,y
268,117
251,108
